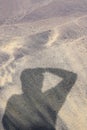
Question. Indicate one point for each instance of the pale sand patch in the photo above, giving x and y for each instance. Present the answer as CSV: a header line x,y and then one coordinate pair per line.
x,y
12,45
53,37
50,81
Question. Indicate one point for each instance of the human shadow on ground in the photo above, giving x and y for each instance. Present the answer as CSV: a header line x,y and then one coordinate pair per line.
x,y
35,110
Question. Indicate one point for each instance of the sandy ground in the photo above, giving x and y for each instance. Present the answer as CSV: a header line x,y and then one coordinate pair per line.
x,y
40,38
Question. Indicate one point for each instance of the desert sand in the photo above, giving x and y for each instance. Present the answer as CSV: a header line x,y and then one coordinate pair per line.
x,y
45,34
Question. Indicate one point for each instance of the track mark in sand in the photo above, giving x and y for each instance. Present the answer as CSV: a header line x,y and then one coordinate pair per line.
x,y
79,20
54,34
82,17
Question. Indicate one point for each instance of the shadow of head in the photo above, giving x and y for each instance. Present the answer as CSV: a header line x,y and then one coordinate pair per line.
x,y
32,79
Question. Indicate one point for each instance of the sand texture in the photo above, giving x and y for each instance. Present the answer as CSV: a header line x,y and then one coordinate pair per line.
x,y
43,65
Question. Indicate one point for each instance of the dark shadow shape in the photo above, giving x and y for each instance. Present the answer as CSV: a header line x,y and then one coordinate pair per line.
x,y
34,110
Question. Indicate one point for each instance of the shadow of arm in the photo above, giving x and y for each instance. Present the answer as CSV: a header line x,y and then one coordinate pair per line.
x,y
58,94
69,78
61,73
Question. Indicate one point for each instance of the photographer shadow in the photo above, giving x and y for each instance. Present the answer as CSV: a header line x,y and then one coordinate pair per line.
x,y
34,110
